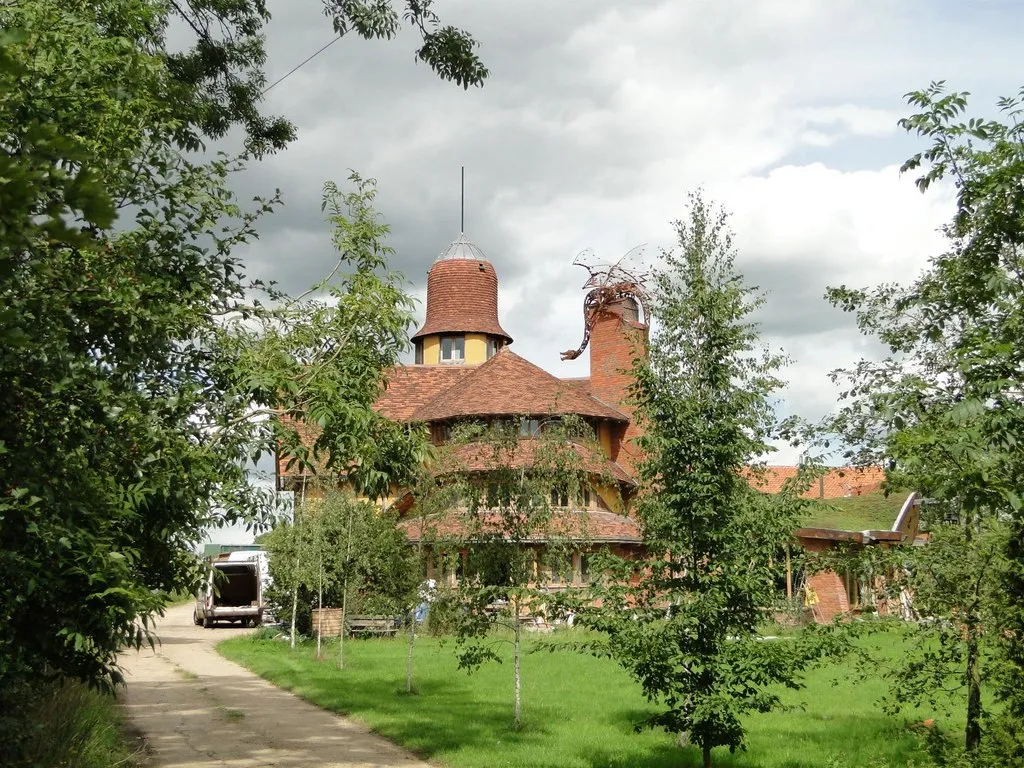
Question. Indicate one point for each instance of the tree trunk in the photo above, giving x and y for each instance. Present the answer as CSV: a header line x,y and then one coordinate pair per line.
x,y
295,604
707,755
295,533
344,593
408,657
412,613
973,731
517,715
320,613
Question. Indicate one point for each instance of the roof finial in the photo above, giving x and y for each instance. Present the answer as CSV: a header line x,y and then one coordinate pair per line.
x,y
462,206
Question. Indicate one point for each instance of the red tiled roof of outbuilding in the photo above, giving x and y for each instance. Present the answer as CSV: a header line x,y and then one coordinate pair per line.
x,y
509,385
583,382
835,484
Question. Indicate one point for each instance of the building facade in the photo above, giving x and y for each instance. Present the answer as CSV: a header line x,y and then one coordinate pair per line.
x,y
465,370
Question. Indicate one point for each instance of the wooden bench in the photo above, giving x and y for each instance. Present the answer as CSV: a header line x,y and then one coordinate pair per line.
x,y
386,626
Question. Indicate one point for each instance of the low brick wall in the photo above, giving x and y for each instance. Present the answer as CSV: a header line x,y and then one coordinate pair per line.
x,y
327,621
831,595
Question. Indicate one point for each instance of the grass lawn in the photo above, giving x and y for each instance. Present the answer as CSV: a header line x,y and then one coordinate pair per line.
x,y
578,710
870,512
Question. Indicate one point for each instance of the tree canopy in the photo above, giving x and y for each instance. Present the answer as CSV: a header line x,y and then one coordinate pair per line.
x,y
139,364
683,618
943,411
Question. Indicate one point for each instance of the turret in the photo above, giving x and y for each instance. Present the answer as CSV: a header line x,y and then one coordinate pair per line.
x,y
461,327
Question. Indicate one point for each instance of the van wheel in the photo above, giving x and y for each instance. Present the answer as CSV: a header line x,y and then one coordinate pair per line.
x,y
207,622
195,619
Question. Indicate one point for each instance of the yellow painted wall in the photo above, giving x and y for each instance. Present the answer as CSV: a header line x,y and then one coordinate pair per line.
x,y
610,496
476,348
431,350
604,436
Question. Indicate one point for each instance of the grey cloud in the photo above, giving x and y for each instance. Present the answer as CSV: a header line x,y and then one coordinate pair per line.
x,y
597,117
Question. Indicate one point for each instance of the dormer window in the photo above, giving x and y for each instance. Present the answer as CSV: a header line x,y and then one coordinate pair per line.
x,y
493,345
419,353
453,349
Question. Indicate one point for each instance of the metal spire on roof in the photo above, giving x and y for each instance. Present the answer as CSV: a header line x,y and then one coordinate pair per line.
x,y
461,248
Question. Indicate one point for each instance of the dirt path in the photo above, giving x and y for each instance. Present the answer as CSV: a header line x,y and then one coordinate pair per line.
x,y
195,708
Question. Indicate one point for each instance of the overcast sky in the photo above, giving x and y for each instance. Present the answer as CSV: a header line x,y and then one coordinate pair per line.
x,y
597,120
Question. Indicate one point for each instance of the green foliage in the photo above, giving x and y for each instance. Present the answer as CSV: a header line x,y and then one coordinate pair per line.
x,y
140,371
218,77
65,724
339,540
684,620
943,411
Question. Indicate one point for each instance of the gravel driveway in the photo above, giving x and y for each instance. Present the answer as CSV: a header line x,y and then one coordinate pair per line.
x,y
195,708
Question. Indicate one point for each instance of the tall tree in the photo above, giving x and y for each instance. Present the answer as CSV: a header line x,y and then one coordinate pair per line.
x,y
683,620
135,366
945,408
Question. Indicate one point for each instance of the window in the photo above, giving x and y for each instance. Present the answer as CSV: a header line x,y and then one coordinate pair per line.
x,y
419,353
584,568
493,345
529,427
450,567
440,433
560,498
559,569
453,349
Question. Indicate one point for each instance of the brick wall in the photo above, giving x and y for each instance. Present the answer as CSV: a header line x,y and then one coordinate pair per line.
x,y
831,593
614,343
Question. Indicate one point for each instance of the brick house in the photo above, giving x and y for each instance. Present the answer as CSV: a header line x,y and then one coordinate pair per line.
x,y
853,510
464,370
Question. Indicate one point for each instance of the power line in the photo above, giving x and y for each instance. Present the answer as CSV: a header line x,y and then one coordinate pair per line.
x,y
303,63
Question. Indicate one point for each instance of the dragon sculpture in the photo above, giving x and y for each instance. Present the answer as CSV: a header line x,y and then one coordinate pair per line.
x,y
608,283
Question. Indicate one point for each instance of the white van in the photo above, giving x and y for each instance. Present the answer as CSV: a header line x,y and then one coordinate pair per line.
x,y
234,590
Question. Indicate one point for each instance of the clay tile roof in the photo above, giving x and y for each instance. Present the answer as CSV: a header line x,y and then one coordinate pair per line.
x,y
598,526
583,382
462,297
479,457
411,386
835,484
509,385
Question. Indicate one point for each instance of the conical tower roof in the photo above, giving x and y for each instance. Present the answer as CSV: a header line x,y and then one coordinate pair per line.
x,y
462,293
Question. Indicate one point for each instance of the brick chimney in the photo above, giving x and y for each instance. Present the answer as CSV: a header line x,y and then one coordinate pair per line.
x,y
617,338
